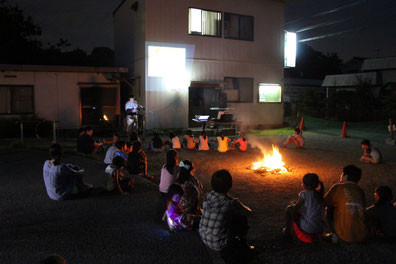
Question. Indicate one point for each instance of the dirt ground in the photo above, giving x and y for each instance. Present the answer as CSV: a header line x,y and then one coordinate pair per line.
x,y
268,195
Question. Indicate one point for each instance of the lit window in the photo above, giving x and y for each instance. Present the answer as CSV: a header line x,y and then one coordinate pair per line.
x,y
205,23
270,93
290,49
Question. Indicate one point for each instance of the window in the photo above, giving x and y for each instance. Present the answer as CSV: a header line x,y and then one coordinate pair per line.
x,y
290,49
270,93
238,27
16,100
96,102
204,22
239,90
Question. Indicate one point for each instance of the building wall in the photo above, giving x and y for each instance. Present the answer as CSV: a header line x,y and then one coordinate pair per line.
x,y
211,58
56,94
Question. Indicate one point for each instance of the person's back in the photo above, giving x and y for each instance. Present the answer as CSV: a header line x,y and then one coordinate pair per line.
x,y
203,143
110,155
85,144
349,202
311,219
175,143
190,141
242,143
223,144
135,163
59,180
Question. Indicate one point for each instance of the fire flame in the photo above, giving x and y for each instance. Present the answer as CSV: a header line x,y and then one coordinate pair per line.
x,y
272,163
105,118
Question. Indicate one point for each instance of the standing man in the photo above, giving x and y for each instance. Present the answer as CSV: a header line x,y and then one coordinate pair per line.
x,y
131,109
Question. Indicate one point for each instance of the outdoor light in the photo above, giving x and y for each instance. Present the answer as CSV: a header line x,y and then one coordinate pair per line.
x,y
290,49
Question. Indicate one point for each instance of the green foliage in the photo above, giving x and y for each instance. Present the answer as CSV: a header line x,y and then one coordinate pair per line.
x,y
311,103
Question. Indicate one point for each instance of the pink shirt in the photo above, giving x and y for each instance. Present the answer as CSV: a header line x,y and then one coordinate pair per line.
x,y
203,143
167,179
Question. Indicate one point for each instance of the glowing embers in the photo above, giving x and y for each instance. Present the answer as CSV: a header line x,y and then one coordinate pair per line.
x,y
105,118
270,163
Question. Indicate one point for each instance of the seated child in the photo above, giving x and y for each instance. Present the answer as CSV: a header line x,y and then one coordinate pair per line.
x,y
382,214
193,188
121,149
242,142
174,215
296,138
371,154
110,153
137,160
188,140
304,218
115,179
156,143
169,172
224,225
62,180
203,141
173,141
223,143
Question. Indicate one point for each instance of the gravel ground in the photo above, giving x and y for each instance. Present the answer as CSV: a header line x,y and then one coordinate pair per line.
x,y
116,229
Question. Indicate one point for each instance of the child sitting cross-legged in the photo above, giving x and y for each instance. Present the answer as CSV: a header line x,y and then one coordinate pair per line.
x,y
304,217
224,224
241,142
137,160
174,215
115,180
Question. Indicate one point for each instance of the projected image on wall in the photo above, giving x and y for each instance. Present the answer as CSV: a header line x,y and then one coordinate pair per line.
x,y
166,61
270,93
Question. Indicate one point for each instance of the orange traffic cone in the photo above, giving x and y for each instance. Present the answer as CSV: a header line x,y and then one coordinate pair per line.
x,y
301,127
343,133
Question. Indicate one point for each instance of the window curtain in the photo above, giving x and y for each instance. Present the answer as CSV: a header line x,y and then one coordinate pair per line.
x,y
211,23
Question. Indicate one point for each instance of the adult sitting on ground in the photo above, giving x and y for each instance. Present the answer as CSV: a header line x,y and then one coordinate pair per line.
x,y
62,180
346,205
371,154
86,144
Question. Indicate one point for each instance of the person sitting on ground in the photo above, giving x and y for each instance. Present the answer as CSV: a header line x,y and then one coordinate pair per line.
x,y
53,259
115,179
173,141
156,143
169,172
116,137
174,215
193,189
382,214
224,224
371,154
296,138
137,161
111,152
86,144
121,149
304,217
62,180
133,136
346,205
223,143
188,140
203,141
241,141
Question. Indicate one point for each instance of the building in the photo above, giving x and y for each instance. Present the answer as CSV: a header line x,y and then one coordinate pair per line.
x,y
379,73
73,96
185,57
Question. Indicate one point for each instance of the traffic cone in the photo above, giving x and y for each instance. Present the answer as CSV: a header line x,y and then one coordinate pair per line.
x,y
301,127
343,133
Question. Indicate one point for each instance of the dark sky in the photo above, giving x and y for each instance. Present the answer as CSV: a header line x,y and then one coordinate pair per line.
x,y
365,28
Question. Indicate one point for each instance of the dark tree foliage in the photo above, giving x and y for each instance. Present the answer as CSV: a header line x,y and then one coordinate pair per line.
x,y
313,64
20,44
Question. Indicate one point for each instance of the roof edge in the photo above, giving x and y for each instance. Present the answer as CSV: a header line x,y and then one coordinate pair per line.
x,y
59,68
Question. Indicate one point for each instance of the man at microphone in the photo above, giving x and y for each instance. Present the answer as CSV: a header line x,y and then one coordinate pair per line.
x,y
131,108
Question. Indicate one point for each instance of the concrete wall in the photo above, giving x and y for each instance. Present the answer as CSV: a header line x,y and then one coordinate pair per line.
x,y
212,58
56,94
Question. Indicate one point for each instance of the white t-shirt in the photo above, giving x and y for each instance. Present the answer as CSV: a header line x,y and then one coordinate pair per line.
x,y
376,154
223,144
311,218
176,143
109,179
131,105
203,143
110,155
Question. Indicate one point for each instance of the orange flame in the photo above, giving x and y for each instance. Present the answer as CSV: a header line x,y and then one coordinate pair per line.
x,y
272,162
105,118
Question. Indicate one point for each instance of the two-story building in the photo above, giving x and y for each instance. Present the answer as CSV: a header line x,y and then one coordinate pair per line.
x,y
186,56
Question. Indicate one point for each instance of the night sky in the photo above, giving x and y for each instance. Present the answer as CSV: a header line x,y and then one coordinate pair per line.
x,y
365,28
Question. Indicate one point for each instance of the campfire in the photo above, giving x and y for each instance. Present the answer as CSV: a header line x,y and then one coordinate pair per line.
x,y
270,163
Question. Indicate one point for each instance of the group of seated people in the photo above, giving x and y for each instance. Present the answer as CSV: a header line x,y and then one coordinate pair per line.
x,y
222,220
201,143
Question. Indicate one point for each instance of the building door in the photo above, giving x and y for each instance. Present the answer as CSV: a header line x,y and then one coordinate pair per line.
x,y
201,99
